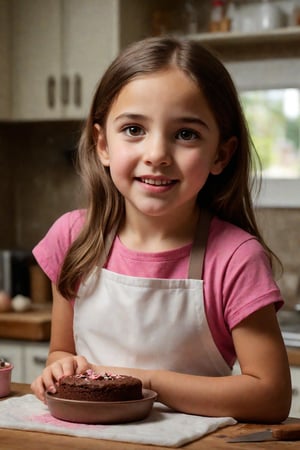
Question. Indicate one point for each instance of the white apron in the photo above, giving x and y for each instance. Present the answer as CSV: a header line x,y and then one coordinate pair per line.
x,y
148,323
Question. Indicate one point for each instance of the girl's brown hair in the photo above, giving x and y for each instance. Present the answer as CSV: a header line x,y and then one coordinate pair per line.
x,y
226,195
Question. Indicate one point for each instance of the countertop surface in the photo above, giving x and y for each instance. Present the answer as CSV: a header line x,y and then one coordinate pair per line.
x,y
32,325
17,440
294,356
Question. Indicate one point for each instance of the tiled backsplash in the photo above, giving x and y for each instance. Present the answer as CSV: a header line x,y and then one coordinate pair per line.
x,y
281,229
6,180
38,183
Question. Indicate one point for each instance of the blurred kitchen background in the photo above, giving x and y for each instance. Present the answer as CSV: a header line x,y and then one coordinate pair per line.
x,y
52,53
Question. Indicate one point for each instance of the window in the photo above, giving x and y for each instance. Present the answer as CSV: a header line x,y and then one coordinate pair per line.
x,y
267,68
273,117
274,121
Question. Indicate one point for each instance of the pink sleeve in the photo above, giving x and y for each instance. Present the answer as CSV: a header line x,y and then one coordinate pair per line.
x,y
51,250
238,281
248,283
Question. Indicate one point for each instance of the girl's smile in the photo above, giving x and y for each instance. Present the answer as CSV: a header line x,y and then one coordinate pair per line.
x,y
156,184
161,142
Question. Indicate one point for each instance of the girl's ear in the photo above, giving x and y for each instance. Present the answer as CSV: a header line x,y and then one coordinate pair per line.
x,y
100,143
224,155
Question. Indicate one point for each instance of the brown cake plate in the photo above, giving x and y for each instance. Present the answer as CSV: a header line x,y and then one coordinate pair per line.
x,y
101,412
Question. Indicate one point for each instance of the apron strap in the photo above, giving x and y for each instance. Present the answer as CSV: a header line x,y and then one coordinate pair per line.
x,y
199,245
108,244
198,248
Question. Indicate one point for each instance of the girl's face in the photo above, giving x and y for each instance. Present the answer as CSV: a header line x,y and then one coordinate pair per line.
x,y
161,142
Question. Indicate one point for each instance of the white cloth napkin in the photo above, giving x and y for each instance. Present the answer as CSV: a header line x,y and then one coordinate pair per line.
x,y
162,427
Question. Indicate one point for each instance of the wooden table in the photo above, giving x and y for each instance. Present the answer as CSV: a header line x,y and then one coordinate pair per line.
x,y
21,440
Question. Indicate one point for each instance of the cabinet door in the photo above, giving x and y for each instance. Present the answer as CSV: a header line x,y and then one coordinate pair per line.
x,y
36,59
35,357
4,60
90,41
61,49
13,352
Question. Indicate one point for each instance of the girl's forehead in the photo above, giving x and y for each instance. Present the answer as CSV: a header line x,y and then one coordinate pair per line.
x,y
170,85
169,73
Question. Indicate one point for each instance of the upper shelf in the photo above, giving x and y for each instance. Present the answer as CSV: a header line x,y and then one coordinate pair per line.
x,y
281,42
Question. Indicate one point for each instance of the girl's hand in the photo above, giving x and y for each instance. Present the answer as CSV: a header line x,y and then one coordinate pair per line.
x,y
47,381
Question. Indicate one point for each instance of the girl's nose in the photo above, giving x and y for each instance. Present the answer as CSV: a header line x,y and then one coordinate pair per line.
x,y
157,153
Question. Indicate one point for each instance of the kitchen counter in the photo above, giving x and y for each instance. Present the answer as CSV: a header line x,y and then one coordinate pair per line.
x,y
33,325
294,356
20,439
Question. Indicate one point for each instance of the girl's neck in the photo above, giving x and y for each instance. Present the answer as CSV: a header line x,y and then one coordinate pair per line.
x,y
154,234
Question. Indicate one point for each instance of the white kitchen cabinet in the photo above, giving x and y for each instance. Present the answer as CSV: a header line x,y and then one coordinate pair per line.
x,y
28,358
90,41
35,357
295,409
61,48
36,55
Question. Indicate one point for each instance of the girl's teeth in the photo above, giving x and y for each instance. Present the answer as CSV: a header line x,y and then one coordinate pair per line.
x,y
155,182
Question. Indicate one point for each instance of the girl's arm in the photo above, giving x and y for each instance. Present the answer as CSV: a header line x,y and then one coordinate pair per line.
x,y
262,392
61,359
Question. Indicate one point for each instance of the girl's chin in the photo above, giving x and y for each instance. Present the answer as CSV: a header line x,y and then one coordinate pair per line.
x,y
150,210
159,211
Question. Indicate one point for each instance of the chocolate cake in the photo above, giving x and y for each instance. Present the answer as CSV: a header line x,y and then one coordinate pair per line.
x,y
90,386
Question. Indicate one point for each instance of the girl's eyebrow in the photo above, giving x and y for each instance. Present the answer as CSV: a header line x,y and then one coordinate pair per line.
x,y
187,120
130,116
193,120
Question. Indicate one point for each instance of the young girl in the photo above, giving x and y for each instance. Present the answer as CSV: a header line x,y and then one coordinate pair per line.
x,y
165,275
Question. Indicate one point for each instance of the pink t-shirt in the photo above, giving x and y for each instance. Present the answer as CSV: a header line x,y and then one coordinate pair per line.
x,y
237,275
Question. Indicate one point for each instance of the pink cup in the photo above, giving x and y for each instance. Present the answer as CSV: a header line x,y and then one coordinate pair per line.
x,y
5,380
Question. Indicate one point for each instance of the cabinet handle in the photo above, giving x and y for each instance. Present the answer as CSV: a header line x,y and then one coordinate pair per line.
x,y
40,360
65,90
295,391
77,90
51,84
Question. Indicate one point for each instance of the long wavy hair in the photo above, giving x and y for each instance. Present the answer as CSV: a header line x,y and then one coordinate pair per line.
x,y
227,195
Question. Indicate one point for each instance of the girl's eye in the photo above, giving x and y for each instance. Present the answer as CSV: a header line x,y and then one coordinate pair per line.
x,y
134,130
186,135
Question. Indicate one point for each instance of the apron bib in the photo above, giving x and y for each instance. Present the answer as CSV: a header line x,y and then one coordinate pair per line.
x,y
148,323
